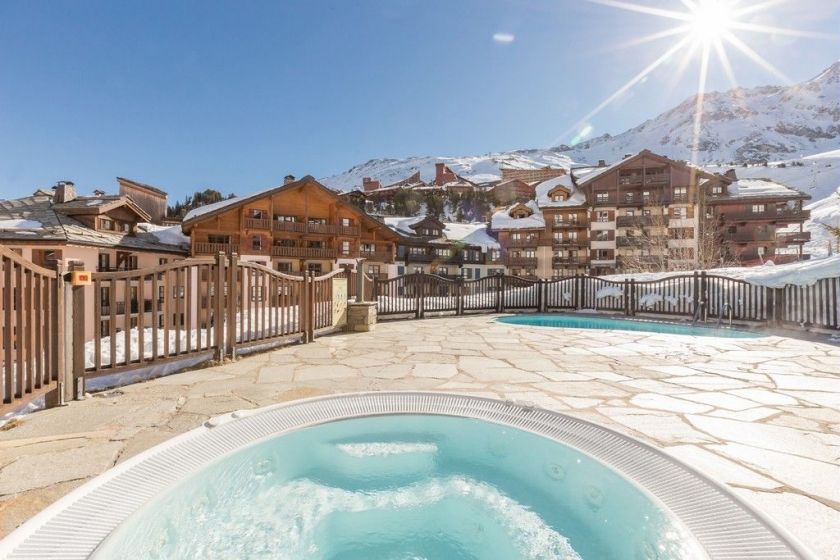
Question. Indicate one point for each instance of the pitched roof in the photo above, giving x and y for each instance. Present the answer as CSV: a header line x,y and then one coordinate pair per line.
x,y
36,218
203,212
543,193
503,220
141,185
759,188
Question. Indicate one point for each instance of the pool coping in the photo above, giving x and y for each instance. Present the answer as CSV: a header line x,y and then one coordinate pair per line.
x,y
74,526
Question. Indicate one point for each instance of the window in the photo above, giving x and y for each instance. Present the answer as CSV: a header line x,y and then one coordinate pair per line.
x,y
717,190
368,248
602,197
320,221
283,267
314,267
758,209
162,261
416,251
104,262
680,193
442,271
105,299
283,218
373,269
400,270
602,216
346,222
256,293
219,239
106,224
418,269
256,243
466,273
629,197
126,227
178,292
679,213
646,196
495,254
345,247
558,237
441,252
572,235
515,236
603,235
316,244
256,213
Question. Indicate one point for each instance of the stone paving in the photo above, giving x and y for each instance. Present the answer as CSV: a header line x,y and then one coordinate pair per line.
x,y
761,415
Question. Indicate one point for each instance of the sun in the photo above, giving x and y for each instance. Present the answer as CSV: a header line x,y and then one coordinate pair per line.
x,y
704,31
711,20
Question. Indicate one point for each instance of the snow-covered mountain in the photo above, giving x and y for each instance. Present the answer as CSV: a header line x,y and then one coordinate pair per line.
x,y
740,125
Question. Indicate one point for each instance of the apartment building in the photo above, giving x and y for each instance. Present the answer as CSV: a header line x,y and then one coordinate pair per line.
x,y
102,233
648,212
447,249
298,226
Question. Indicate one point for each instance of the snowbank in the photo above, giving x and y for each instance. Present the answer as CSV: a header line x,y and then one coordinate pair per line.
x,y
168,235
804,273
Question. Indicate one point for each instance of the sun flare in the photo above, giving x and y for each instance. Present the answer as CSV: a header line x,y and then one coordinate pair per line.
x,y
711,19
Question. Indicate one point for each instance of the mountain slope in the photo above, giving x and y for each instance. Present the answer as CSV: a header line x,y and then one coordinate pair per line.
x,y
741,125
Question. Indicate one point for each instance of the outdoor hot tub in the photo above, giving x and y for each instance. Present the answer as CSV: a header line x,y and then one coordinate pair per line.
x,y
398,476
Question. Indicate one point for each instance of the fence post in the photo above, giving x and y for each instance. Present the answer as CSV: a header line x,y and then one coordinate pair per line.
x,y
541,295
75,334
704,295
459,286
500,292
417,295
310,308
632,302
579,280
232,305
695,291
777,296
218,308
56,347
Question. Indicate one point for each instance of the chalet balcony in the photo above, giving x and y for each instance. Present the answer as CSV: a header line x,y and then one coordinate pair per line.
x,y
787,214
323,229
563,262
580,223
304,252
377,256
605,201
256,223
579,242
529,242
628,180
637,221
793,238
421,257
656,178
202,248
749,237
528,262
293,227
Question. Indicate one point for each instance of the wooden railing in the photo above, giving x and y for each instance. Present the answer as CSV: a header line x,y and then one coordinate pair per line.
x,y
304,252
708,297
257,223
32,328
202,248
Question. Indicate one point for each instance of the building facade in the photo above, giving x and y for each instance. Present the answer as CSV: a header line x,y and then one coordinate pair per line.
x,y
647,212
298,226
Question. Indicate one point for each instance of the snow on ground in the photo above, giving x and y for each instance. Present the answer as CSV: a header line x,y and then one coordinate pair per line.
x,y
803,273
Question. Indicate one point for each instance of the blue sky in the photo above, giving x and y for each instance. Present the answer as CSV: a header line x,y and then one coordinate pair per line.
x,y
235,95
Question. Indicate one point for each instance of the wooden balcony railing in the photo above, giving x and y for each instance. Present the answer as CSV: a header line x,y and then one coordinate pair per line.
x,y
323,229
569,261
377,256
421,257
304,252
202,248
521,261
793,238
579,242
748,236
527,242
257,223
635,221
579,223
793,214
294,227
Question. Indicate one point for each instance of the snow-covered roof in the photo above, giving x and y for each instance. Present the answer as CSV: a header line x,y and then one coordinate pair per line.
x,y
576,197
471,234
402,224
19,224
503,220
755,188
168,235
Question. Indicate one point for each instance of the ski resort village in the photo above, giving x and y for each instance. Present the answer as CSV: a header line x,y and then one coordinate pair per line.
x,y
214,345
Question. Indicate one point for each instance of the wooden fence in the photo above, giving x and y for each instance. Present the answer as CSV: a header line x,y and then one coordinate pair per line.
x,y
699,295
32,341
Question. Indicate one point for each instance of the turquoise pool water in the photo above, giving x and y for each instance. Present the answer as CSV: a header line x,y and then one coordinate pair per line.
x,y
404,487
609,323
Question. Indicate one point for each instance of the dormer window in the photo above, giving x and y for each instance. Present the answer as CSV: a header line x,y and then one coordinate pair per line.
x,y
256,214
106,224
717,190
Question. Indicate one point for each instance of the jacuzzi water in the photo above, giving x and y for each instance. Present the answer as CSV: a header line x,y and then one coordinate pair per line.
x,y
403,487
609,323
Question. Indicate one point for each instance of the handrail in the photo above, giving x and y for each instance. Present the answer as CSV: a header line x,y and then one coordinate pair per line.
x,y
27,264
138,272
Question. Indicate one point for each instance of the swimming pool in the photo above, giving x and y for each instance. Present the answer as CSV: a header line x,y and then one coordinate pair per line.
x,y
400,476
610,323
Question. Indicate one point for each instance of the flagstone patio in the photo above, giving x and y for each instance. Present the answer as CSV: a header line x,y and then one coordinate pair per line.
x,y
761,415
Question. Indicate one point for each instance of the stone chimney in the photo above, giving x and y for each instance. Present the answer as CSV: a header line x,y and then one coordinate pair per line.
x,y
443,174
65,191
288,179
369,184
730,174
602,163
627,156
